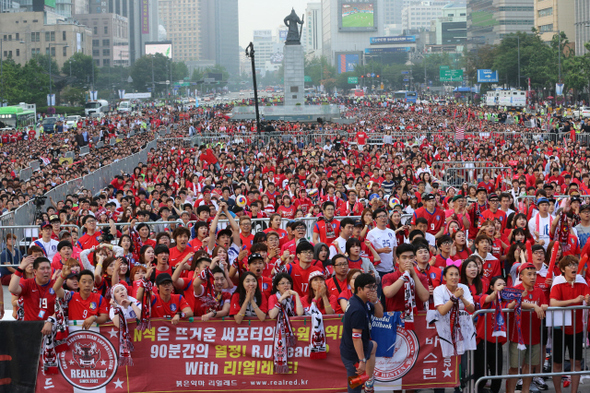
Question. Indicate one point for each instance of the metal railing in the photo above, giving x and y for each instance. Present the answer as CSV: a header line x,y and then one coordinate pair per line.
x,y
25,214
476,380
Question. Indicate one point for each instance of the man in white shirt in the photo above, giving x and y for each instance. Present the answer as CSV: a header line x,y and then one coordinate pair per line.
x,y
339,245
384,242
45,242
540,224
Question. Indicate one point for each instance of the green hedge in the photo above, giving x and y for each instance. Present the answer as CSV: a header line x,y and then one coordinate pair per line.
x,y
70,110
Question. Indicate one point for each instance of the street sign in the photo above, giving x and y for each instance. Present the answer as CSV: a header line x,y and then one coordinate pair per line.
x,y
372,75
406,80
368,75
405,72
443,68
447,75
353,80
307,78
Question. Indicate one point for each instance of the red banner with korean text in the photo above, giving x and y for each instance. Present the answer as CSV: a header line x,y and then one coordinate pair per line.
x,y
226,357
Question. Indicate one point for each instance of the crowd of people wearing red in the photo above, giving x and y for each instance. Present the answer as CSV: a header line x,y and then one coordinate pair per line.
x,y
249,232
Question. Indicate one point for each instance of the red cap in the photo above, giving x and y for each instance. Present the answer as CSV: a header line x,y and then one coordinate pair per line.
x,y
524,266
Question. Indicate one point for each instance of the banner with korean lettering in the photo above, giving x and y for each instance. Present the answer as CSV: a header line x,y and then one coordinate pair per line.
x,y
226,357
213,356
417,361
145,17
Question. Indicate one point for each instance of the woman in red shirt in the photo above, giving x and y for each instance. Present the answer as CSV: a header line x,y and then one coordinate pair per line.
x,y
318,293
459,249
486,342
472,278
287,210
248,300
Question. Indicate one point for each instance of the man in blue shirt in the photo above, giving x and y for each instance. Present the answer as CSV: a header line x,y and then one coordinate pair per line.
x,y
357,350
11,255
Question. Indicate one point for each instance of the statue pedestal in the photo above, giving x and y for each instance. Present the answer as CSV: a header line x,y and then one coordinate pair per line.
x,y
294,75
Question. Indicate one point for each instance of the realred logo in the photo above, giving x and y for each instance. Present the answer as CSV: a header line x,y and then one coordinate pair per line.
x,y
404,357
90,362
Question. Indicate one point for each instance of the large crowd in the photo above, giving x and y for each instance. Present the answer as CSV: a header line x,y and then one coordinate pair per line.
x,y
285,227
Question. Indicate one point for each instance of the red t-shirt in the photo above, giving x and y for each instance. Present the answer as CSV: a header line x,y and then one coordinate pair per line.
x,y
287,212
397,302
361,138
491,268
489,215
236,307
320,229
79,309
161,309
485,325
529,323
39,300
301,277
176,256
334,289
565,291
436,219
86,241
282,235
247,241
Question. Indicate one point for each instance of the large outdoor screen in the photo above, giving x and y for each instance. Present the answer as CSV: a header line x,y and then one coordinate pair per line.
x,y
358,15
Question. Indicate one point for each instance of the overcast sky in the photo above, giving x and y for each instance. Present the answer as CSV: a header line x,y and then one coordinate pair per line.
x,y
265,15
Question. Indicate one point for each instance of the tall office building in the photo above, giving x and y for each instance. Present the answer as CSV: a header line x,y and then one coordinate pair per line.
x,y
220,33
418,15
552,16
263,47
582,25
392,11
312,30
488,21
181,21
110,38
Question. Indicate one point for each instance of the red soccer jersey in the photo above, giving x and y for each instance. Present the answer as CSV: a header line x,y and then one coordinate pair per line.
x,y
335,286
320,228
287,212
87,241
247,241
176,256
305,204
529,323
489,215
79,309
169,309
39,300
485,325
301,277
282,235
491,268
361,138
397,302
235,304
436,219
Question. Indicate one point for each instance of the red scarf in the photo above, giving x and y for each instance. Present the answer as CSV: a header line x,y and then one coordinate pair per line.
x,y
125,344
284,339
146,308
317,339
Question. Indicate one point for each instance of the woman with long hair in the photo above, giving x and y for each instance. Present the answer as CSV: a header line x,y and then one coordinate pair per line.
x,y
459,249
248,300
512,262
472,278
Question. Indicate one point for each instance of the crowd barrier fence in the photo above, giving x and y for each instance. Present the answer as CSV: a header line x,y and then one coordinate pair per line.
x,y
556,318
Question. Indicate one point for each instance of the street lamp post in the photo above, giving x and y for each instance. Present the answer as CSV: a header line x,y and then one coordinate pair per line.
x,y
250,54
65,45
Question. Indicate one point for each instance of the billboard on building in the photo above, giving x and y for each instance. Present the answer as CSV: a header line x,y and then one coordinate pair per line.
x,y
262,35
164,48
345,62
283,35
145,17
121,53
402,39
357,15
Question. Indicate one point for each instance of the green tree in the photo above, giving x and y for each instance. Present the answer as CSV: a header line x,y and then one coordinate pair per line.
x,y
80,67
145,67
75,96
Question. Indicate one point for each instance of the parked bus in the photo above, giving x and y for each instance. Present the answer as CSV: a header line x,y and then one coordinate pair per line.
x,y
406,96
18,116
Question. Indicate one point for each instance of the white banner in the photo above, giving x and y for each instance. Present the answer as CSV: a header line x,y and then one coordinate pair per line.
x,y
50,99
559,89
136,95
121,94
93,95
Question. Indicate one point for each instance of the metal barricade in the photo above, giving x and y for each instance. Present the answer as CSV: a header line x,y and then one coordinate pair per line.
x,y
556,321
85,149
473,173
25,173
27,234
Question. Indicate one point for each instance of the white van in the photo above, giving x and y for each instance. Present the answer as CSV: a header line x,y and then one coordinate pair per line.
x,y
124,107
